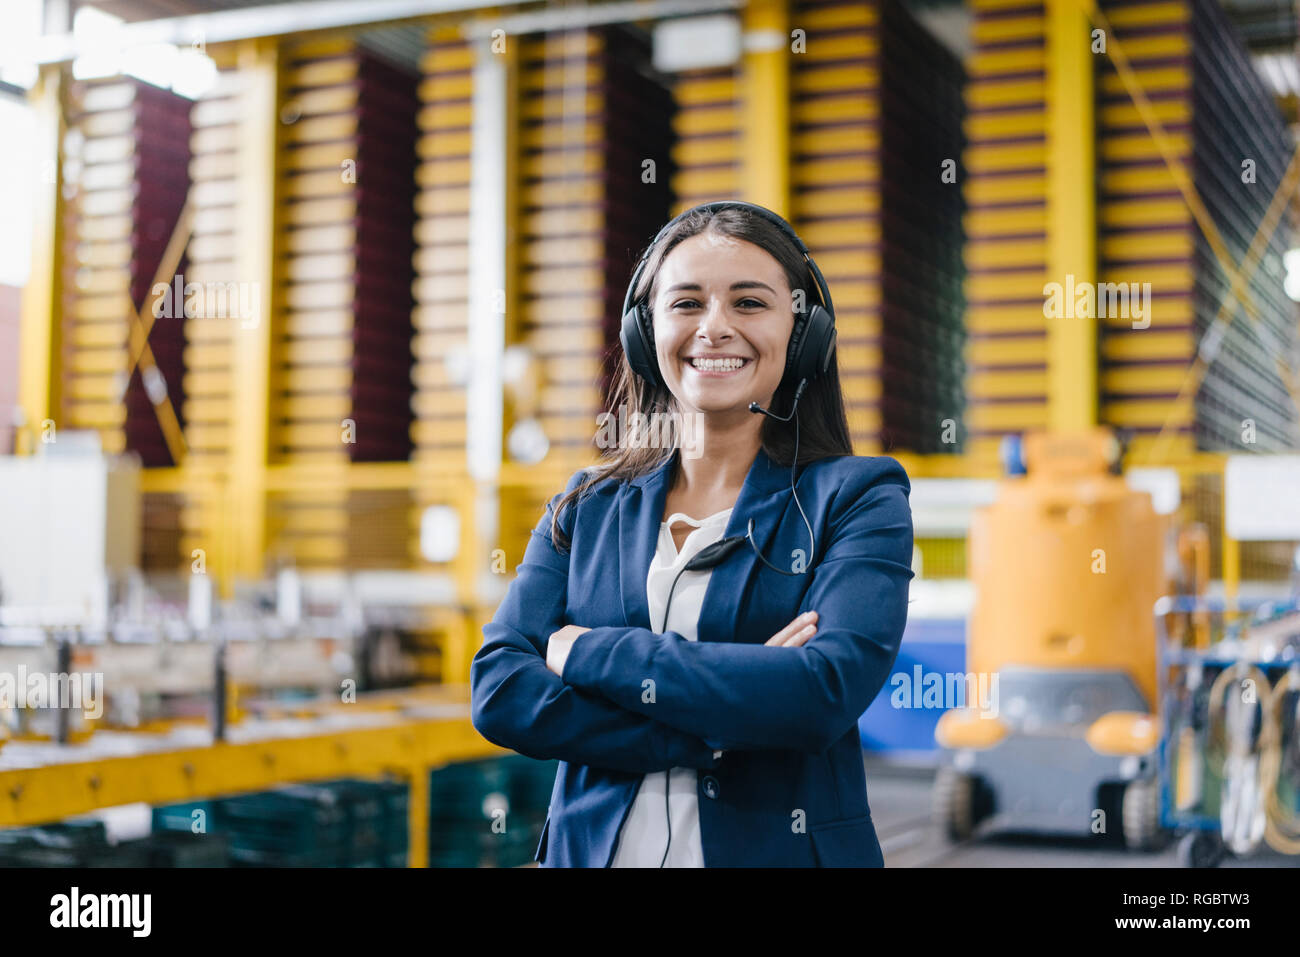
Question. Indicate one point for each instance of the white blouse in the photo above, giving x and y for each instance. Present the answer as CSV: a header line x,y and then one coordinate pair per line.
x,y
644,835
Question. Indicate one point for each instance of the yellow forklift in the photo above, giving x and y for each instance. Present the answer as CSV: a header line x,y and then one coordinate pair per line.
x,y
1067,565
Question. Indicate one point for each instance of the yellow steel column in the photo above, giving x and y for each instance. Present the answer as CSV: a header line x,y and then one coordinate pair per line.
x,y
259,63
39,333
765,117
1071,212
417,826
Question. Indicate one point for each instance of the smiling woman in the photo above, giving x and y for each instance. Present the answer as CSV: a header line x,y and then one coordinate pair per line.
x,y
702,698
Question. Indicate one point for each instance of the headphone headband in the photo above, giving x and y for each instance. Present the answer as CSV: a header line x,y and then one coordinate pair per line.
x,y
822,289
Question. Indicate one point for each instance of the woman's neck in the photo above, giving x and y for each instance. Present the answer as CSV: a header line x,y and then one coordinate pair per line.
x,y
728,452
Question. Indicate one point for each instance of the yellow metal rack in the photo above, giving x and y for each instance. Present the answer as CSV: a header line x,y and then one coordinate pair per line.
x,y
408,733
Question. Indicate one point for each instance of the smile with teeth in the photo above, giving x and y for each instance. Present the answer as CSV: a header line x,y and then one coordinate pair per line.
x,y
729,364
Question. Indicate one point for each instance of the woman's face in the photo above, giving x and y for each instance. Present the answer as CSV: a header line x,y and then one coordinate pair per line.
x,y
723,316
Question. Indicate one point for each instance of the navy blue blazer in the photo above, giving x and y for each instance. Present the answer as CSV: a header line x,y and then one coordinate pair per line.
x,y
790,788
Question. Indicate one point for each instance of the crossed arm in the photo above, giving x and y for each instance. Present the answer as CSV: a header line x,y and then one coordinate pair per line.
x,y
748,696
518,703
732,696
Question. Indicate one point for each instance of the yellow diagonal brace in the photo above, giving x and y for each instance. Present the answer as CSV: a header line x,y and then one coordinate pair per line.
x,y
1181,176
1250,264
171,259
138,351
163,409
1240,291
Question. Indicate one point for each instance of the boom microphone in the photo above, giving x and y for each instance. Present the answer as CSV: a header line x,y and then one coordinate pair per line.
x,y
798,394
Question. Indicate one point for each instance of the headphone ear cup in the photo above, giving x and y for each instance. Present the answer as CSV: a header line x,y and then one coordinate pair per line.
x,y
638,344
811,344
794,351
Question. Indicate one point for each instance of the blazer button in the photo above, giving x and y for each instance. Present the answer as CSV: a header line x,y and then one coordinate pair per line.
x,y
711,786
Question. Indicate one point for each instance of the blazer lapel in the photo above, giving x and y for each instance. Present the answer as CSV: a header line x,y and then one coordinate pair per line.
x,y
760,499
640,513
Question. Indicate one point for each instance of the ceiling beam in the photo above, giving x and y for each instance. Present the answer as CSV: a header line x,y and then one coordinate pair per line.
x,y
287,18
248,23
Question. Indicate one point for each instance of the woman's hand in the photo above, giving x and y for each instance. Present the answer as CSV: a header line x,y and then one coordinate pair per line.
x,y
557,648
797,632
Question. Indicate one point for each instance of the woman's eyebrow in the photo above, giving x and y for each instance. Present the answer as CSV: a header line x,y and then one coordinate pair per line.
x,y
742,284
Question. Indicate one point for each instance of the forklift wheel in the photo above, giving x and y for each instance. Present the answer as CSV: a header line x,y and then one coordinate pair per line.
x,y
1140,815
954,803
1200,849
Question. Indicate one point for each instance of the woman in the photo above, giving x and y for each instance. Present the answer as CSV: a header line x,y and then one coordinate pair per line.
x,y
708,715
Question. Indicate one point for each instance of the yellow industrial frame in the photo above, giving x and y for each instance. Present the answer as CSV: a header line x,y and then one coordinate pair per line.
x,y
404,745
236,497
765,154
250,421
1071,212
38,374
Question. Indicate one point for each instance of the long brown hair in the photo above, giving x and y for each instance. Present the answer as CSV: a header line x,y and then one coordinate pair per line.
x,y
824,427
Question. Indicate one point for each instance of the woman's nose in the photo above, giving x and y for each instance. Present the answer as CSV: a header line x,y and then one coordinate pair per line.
x,y
714,324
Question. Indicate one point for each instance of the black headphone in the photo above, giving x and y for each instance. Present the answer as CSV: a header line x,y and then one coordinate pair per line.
x,y
811,342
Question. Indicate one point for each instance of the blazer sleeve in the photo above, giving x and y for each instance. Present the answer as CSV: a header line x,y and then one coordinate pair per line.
x,y
519,703
745,696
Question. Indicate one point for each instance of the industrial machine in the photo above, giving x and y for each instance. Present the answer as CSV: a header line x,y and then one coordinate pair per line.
x,y
1067,565
121,689
1230,753
166,646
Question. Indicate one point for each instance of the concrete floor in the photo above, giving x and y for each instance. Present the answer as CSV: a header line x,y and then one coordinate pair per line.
x,y
900,808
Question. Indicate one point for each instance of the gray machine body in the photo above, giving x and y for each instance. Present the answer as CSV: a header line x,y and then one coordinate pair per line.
x,y
1043,776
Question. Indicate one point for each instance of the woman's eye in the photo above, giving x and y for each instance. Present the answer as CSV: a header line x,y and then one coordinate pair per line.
x,y
746,303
